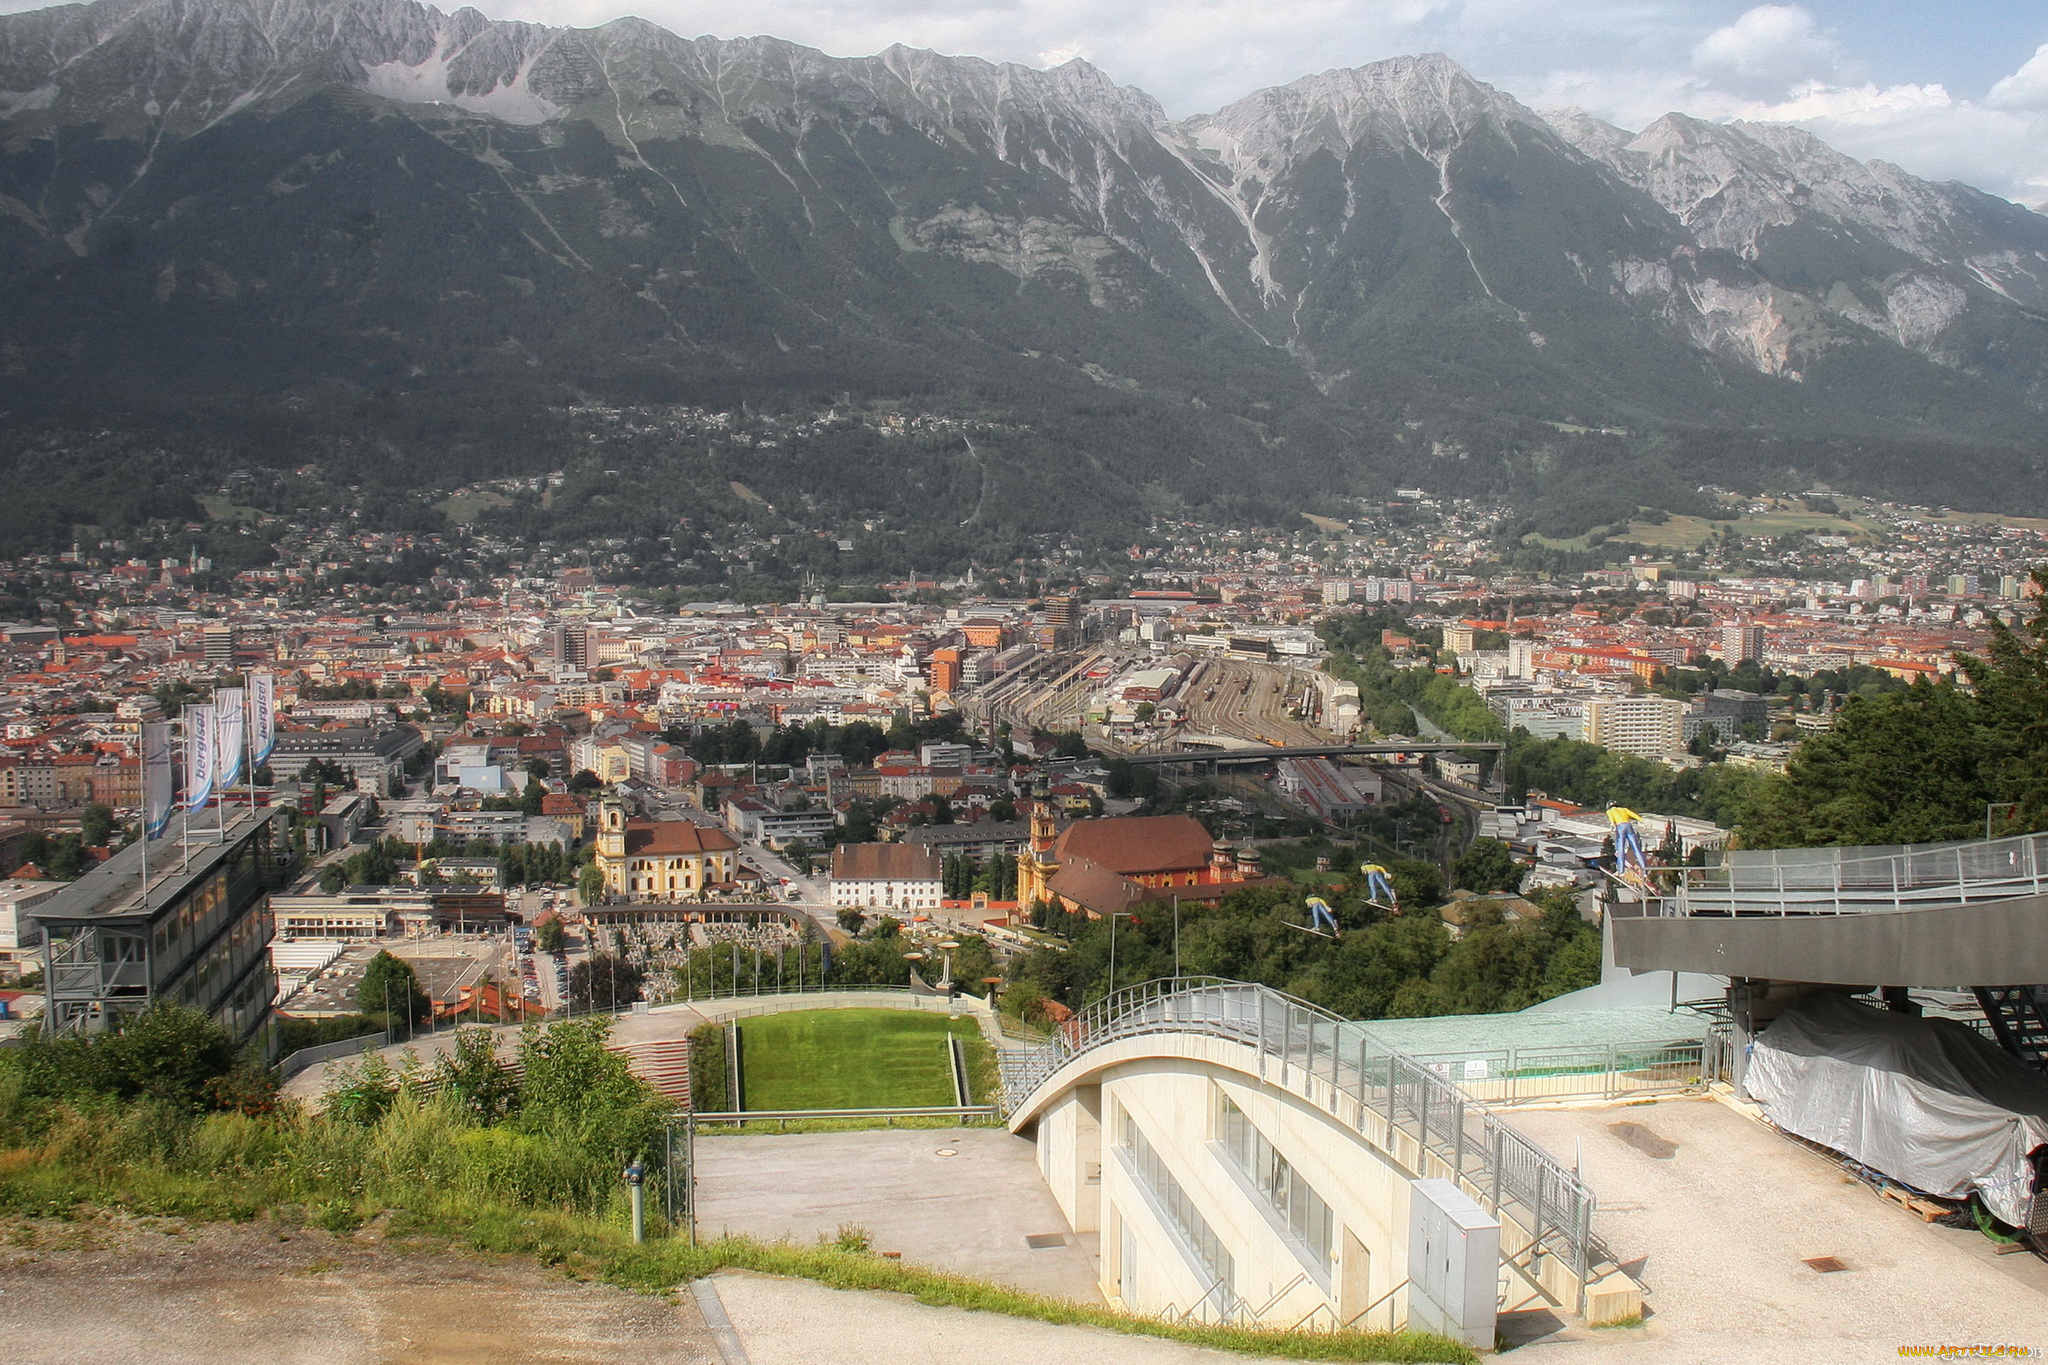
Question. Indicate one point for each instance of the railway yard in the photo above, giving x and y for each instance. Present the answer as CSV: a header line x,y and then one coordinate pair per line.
x,y
1210,705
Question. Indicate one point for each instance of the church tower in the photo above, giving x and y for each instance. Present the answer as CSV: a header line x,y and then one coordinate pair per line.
x,y
1037,865
611,842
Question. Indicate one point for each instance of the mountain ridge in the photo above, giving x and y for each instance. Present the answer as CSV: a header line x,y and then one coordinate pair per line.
x,y
270,200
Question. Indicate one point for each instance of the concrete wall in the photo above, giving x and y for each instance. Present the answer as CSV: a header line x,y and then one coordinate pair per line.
x,y
1170,1085
1150,1266
1069,1144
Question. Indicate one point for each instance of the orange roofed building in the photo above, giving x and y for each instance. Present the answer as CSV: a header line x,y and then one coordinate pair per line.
x,y
1098,867
661,860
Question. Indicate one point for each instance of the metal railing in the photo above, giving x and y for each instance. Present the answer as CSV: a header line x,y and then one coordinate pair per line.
x,y
690,996
739,1118
876,997
1605,1071
1834,881
1506,1172
292,1064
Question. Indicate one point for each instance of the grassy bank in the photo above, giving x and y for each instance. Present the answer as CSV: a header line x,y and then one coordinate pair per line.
x,y
522,1163
83,1169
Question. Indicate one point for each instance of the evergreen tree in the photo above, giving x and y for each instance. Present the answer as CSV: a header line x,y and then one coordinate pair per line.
x,y
391,991
1487,866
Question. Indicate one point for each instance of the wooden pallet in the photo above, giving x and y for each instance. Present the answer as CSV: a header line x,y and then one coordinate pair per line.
x,y
1927,1209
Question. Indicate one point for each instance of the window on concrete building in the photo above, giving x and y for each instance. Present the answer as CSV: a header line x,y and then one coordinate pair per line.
x,y
1212,1262
1307,1217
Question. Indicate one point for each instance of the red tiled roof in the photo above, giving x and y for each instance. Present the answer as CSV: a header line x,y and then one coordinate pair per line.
x,y
674,838
886,862
1132,845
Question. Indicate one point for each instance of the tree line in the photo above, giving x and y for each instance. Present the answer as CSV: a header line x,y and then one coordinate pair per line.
x,y
1934,761
1384,966
964,876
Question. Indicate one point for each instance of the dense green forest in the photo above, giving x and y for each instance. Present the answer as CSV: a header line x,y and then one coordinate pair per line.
x,y
1933,761
1383,967
1574,770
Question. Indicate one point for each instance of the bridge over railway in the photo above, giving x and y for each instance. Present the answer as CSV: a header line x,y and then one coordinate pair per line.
x,y
1266,753
1248,1157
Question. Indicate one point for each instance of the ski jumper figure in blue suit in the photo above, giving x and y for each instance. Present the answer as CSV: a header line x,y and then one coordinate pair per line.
x,y
1378,888
1321,918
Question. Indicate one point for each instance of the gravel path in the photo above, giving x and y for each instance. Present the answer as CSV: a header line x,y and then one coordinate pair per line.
x,y
116,1291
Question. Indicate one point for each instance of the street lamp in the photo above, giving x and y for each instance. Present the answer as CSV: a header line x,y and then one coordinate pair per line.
x,y
1114,915
636,1182
1176,937
947,946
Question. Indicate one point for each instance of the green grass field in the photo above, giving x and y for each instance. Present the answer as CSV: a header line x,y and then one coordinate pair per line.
x,y
851,1059
1689,533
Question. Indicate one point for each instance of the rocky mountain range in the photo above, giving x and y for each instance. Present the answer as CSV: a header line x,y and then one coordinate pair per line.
x,y
247,224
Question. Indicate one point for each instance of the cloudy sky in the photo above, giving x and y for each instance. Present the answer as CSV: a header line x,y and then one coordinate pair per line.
x,y
1945,88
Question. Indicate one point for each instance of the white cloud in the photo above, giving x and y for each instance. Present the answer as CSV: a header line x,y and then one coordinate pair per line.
x,y
1767,52
2026,88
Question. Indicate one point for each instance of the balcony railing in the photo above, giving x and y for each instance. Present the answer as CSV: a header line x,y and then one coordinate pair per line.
x,y
1836,881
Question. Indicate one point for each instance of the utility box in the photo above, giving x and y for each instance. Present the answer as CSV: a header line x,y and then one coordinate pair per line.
x,y
1453,1264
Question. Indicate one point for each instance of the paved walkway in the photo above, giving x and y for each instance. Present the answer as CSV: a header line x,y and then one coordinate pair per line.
x,y
956,1199
796,1322
1718,1213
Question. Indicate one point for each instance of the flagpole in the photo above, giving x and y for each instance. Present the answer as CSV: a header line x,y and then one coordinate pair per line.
x,y
220,807
185,820
159,788
249,738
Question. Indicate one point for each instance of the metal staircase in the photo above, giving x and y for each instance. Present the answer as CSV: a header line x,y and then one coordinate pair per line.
x,y
2018,1016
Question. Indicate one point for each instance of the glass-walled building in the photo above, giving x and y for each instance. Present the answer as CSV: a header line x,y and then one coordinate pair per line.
x,y
200,937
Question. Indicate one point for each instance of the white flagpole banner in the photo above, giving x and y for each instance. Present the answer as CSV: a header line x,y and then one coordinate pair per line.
x,y
159,783
262,716
229,717
199,737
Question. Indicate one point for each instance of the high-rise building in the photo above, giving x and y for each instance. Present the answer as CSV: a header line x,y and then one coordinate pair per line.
x,y
1741,640
219,643
569,643
1336,591
1729,710
1062,622
1649,726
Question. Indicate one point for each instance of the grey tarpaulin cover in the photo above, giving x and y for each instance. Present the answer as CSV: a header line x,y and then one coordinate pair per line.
x,y
1928,1102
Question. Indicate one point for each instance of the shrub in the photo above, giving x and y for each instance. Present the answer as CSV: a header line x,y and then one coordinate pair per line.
x,y
708,1090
